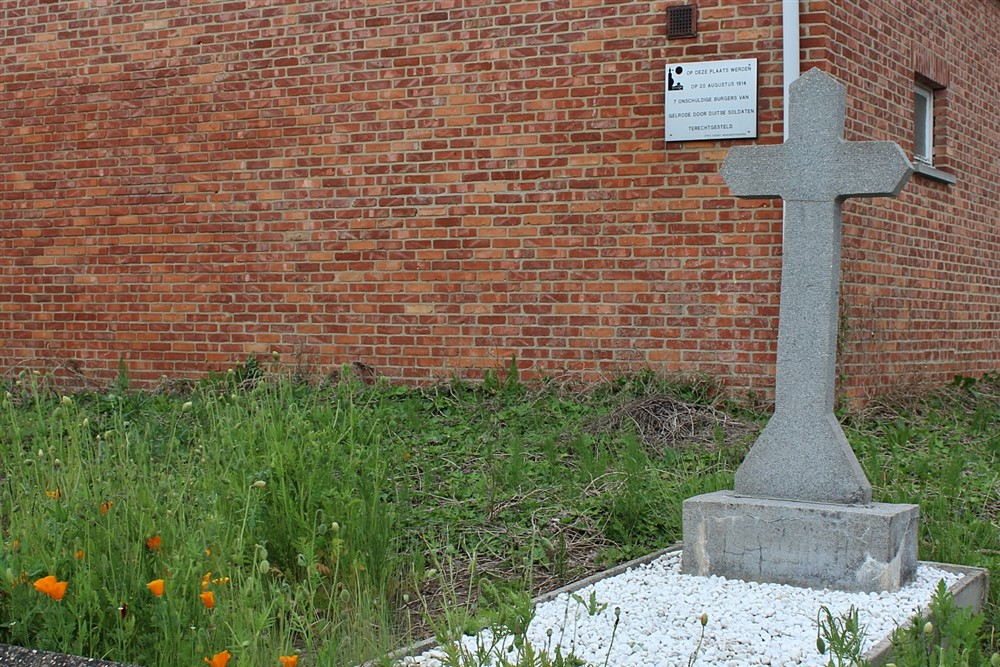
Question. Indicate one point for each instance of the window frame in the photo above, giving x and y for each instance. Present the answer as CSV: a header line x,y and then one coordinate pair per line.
x,y
925,142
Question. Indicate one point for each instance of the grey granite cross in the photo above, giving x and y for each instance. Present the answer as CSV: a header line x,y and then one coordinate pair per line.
x,y
802,454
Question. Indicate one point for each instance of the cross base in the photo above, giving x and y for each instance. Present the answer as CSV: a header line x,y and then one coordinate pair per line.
x,y
803,455
813,545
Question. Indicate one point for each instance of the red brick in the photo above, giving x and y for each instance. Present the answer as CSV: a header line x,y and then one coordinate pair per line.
x,y
498,186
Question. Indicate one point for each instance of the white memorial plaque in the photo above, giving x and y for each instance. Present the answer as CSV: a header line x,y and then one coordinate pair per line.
x,y
711,100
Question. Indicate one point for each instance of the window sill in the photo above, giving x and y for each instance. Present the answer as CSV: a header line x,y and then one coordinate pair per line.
x,y
930,172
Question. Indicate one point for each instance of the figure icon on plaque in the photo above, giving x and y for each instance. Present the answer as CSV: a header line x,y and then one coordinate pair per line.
x,y
672,82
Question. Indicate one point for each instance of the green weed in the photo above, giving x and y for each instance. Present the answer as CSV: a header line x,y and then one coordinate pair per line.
x,y
951,638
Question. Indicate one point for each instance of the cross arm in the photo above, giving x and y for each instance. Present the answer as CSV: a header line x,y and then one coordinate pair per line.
x,y
756,171
871,169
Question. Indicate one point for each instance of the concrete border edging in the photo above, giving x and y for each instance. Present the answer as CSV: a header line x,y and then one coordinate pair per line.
x,y
17,656
969,591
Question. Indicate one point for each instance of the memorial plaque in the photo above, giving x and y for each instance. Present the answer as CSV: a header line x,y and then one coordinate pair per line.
x,y
711,100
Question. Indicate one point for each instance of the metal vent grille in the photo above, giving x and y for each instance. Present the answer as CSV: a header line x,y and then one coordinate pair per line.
x,y
682,21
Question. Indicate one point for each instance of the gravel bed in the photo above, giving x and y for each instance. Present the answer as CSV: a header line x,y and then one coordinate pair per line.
x,y
660,612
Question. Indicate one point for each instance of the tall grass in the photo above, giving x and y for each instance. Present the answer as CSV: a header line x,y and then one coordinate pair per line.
x,y
276,491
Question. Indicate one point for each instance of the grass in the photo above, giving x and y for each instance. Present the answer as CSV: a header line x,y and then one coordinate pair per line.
x,y
339,521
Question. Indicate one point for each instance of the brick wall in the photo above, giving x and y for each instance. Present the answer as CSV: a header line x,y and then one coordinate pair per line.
x,y
428,188
921,292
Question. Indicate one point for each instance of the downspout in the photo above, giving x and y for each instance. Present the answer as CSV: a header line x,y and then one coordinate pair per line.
x,y
790,69
790,54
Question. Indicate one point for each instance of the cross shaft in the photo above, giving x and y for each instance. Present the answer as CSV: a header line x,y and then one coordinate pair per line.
x,y
802,454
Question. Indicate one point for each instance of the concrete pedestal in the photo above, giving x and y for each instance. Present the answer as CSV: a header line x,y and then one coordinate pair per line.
x,y
816,545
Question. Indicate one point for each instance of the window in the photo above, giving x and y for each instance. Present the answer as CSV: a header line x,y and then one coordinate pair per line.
x,y
934,151
923,112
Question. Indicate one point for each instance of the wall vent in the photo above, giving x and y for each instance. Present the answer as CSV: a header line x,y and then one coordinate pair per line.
x,y
682,21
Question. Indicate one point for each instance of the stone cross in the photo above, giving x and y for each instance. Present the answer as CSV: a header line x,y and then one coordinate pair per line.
x,y
802,454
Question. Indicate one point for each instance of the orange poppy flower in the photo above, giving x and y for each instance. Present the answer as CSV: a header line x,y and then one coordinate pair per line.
x,y
205,580
79,554
153,543
54,589
219,659
54,495
156,587
105,506
288,660
208,599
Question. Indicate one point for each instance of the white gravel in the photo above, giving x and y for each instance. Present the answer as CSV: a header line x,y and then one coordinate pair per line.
x,y
748,623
